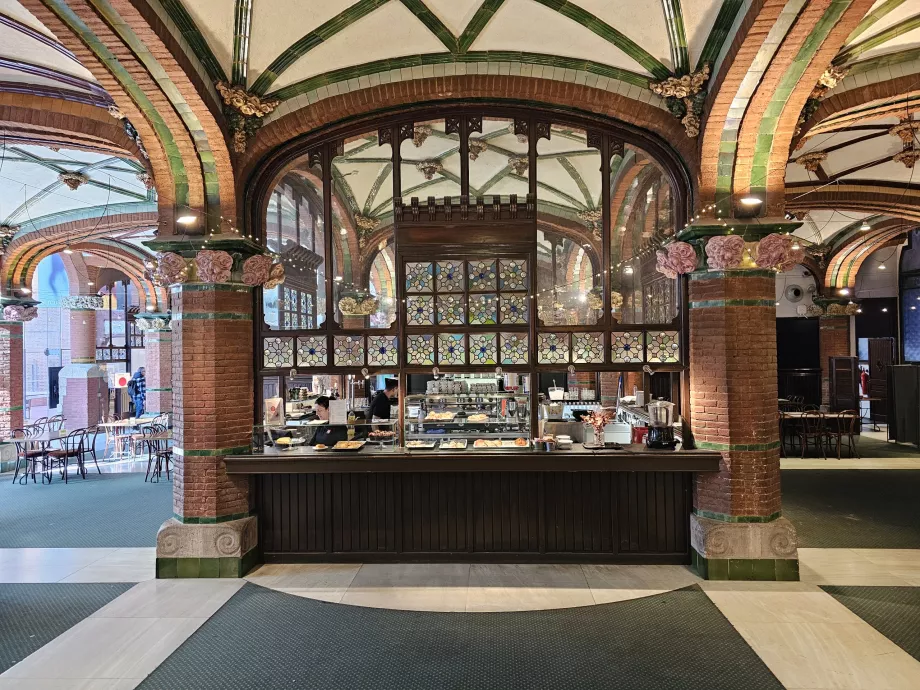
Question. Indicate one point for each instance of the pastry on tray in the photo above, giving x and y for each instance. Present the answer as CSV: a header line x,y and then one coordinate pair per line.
x,y
439,416
381,434
420,444
487,443
348,445
478,418
320,446
520,442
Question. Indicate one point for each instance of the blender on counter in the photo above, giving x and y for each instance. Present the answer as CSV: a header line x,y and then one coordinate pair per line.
x,y
660,425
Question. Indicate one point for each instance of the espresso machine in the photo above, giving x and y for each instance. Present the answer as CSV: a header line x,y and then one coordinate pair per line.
x,y
660,425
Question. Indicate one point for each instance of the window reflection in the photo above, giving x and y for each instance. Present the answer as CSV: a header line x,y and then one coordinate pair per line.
x,y
499,160
430,162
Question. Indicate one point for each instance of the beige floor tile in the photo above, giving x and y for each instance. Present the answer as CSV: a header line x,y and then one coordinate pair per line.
x,y
775,602
412,574
830,464
412,587
509,587
46,565
113,573
324,577
171,599
866,567
333,596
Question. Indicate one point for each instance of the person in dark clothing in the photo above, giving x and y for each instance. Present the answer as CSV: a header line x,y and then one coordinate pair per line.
x,y
326,435
137,389
382,402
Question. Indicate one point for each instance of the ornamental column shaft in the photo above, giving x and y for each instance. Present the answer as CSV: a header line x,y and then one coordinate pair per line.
x,y
83,385
11,383
158,367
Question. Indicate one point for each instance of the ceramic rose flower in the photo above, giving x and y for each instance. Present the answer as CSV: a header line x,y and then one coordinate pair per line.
x,y
214,266
773,250
795,256
170,268
676,259
664,265
724,251
255,269
19,312
275,276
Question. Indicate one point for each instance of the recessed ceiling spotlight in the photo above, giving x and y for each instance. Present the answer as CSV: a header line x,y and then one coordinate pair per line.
x,y
865,226
885,309
844,291
187,219
750,201
68,250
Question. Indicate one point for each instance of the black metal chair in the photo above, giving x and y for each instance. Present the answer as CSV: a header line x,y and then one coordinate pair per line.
x,y
159,454
89,446
71,447
26,455
842,429
813,429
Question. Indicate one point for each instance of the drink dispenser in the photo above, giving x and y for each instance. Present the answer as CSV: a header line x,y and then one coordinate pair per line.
x,y
660,424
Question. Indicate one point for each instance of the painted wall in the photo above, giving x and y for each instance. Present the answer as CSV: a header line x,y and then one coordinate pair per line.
x,y
801,277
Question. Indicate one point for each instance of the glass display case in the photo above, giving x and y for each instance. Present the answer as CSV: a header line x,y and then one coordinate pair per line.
x,y
469,419
321,435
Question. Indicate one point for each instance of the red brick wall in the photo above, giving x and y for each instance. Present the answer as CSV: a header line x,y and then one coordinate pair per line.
x,y
82,335
158,368
834,341
10,375
85,399
212,397
733,393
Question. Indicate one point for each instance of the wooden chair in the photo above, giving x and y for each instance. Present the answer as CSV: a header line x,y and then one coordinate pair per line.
x,y
812,429
843,427
71,447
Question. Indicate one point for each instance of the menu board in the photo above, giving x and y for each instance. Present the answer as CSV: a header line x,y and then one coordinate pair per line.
x,y
338,411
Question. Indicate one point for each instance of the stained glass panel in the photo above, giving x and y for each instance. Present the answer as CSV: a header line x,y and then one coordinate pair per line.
x,y
278,352
626,347
419,277
514,348
349,350
420,311
483,348
588,348
382,350
420,349
451,348
311,351
663,346
450,310
450,276
483,309
552,348
512,274
482,275
513,309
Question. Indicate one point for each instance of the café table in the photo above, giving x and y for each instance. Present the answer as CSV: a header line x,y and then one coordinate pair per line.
x,y
44,439
794,417
119,428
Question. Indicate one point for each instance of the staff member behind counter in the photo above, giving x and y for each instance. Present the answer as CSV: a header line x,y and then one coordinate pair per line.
x,y
382,402
326,435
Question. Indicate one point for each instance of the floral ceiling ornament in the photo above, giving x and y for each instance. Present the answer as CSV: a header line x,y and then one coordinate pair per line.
x,y
685,96
7,232
477,146
906,130
152,323
73,180
213,266
145,179
171,268
724,251
256,269
677,258
909,156
244,112
595,299
19,312
616,300
359,305
591,216
812,161
832,76
275,276
366,223
519,164
429,168
420,134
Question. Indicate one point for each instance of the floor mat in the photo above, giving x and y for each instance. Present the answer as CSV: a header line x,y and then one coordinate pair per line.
x,y
893,611
31,615
103,510
878,448
267,639
857,509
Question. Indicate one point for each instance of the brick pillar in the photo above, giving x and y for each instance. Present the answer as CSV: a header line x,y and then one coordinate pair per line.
x,y
834,341
83,385
212,533
158,367
736,528
11,390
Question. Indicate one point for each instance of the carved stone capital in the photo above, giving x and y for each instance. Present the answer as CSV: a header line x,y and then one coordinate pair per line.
x,y
231,539
812,161
244,112
714,539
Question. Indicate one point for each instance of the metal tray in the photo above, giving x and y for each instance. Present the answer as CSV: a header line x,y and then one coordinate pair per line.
x,y
506,445
462,444
350,450
426,445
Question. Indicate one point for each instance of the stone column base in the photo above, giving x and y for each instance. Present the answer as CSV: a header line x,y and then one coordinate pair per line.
x,y
222,549
744,550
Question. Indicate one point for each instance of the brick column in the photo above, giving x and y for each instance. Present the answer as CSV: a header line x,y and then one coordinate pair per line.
x,y
212,533
158,366
11,391
834,341
736,528
83,385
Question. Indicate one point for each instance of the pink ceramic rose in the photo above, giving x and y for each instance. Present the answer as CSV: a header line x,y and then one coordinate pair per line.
x,y
773,251
795,256
275,276
213,266
170,268
255,269
676,259
724,251
665,266
19,312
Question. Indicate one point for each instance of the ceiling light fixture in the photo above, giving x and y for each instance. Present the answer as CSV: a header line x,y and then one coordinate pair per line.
x,y
25,291
885,310
751,201
865,226
186,219
859,311
844,291
796,246
881,267
628,270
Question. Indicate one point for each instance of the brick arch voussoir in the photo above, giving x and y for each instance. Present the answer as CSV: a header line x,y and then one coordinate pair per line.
x,y
895,203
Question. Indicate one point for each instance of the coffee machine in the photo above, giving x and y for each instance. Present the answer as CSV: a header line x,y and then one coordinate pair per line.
x,y
660,425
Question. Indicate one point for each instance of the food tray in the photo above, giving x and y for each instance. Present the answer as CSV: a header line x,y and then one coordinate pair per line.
x,y
428,418
421,445
505,445
355,449
458,444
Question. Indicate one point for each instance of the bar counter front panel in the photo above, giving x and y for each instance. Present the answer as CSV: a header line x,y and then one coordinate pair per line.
x,y
628,506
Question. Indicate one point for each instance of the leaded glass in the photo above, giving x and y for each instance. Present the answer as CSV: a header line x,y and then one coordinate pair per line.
x,y
482,275
552,348
420,349
420,311
450,276
382,350
450,310
514,348
349,350
588,348
483,348
311,351
513,309
512,274
626,347
451,348
278,352
483,309
663,346
419,277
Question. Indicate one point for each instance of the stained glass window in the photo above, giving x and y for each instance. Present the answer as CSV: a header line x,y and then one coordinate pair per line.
x,y
483,309
311,351
278,352
512,274
514,348
588,348
420,349
451,348
552,348
663,346
513,309
483,348
450,276
626,347
482,275
349,350
382,350
450,310
419,277
420,311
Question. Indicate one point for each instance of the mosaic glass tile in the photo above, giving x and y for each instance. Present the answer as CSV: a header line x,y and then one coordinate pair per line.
x,y
419,277
588,348
482,275
626,347
311,351
451,348
663,346
420,349
514,348
382,350
483,348
278,352
513,309
450,310
420,310
450,276
553,348
483,309
349,350
512,274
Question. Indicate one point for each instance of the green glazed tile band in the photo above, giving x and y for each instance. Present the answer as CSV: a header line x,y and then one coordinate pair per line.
x,y
737,273
82,360
16,408
80,309
158,390
212,316
733,303
242,27
213,453
750,569
723,517
10,323
6,335
224,567
706,445
211,520
209,287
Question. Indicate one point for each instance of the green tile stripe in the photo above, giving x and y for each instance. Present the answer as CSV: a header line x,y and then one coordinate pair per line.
x,y
242,26
724,517
210,520
719,32
870,19
579,181
159,390
186,25
212,316
770,119
14,408
99,49
748,569
210,453
479,21
886,60
882,37
6,335
706,304
677,36
224,567
435,25
321,33
729,142
209,287
491,56
726,447
740,273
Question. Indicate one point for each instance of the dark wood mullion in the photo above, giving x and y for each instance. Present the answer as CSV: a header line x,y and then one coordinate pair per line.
x,y
606,221
328,231
464,155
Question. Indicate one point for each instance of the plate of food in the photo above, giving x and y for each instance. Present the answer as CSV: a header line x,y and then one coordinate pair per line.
x,y
440,416
420,445
454,444
320,447
487,443
286,442
381,435
348,445
478,418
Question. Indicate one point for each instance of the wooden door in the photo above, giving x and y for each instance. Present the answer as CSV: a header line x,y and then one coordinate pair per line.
x,y
881,356
844,380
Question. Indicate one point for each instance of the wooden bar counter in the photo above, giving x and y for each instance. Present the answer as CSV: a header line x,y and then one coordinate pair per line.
x,y
393,505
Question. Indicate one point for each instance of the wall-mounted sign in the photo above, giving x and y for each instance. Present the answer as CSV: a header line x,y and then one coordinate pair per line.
x,y
119,379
